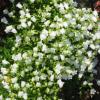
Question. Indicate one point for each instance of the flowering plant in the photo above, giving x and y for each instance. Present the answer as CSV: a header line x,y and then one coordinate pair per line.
x,y
51,40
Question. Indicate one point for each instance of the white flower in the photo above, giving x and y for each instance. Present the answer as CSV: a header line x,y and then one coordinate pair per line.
x,y
5,62
23,83
85,83
66,5
62,57
93,91
53,34
32,1
14,30
58,68
38,84
89,53
5,84
29,23
97,35
17,57
43,36
25,96
14,80
8,29
4,20
5,11
16,86
44,48
69,16
65,24
95,13
19,5
20,93
28,15
24,25
14,68
4,70
80,75
60,83
10,14
92,46
94,19
62,31
87,61
52,78
99,51
24,55
33,18
39,98
98,82
18,39
8,99
22,13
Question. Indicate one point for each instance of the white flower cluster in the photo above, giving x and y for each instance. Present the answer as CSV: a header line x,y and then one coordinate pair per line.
x,y
52,41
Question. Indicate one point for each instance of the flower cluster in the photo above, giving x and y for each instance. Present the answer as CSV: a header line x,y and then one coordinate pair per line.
x,y
52,40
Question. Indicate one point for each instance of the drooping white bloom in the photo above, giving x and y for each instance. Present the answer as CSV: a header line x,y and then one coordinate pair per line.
x,y
17,57
19,5
53,34
29,23
20,93
98,82
4,70
22,13
4,20
66,6
25,96
95,13
44,48
5,62
60,83
18,39
99,51
5,84
62,31
14,68
16,86
52,78
38,84
14,30
32,1
14,80
92,91
24,25
65,24
23,83
62,57
97,35
94,18
5,11
8,29
58,68
39,98
44,34
33,18
92,46
89,53
28,15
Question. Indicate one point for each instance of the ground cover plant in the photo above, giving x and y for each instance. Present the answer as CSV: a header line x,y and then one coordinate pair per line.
x,y
47,41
